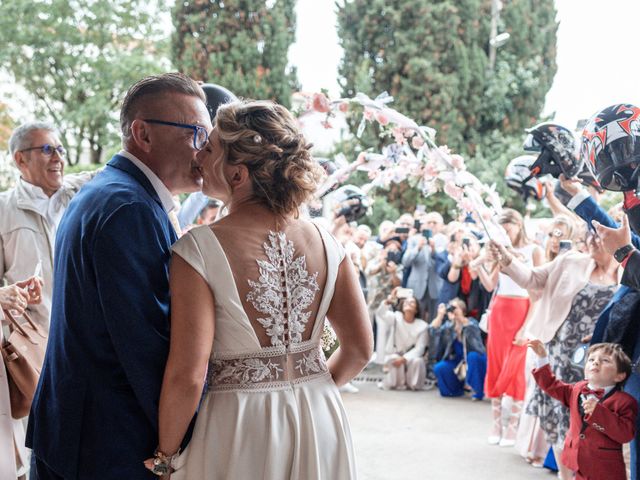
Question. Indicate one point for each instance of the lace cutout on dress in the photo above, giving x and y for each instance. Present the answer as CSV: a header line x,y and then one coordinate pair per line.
x,y
283,291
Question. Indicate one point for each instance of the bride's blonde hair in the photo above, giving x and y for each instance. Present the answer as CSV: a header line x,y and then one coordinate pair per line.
x,y
264,137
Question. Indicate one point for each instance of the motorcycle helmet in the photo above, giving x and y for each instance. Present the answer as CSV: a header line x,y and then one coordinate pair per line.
x,y
518,177
556,147
216,96
611,147
352,202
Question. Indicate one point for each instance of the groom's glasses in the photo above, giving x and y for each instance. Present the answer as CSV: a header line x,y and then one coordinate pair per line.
x,y
200,135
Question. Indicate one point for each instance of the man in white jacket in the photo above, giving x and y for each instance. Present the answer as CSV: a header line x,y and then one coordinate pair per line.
x,y
30,212
29,217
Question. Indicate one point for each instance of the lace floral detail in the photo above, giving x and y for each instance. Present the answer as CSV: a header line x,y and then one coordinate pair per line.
x,y
310,363
244,371
283,291
271,368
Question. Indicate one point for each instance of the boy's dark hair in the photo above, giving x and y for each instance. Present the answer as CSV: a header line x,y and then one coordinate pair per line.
x,y
623,362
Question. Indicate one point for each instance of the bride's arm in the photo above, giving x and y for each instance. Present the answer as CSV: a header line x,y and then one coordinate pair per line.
x,y
192,327
350,320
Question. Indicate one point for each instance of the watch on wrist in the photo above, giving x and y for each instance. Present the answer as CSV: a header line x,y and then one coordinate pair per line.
x,y
621,253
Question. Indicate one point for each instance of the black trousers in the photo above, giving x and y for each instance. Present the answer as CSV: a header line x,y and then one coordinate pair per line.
x,y
40,471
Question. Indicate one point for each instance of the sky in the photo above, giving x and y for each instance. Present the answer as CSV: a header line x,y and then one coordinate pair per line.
x,y
597,61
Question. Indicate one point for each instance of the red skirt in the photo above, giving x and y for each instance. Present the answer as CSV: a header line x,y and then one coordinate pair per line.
x,y
505,361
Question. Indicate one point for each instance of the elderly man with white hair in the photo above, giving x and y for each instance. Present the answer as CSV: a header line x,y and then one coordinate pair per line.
x,y
30,212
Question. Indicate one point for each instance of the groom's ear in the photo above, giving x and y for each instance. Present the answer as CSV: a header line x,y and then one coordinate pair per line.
x,y
140,132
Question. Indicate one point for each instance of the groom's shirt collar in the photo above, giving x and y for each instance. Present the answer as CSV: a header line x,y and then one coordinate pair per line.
x,y
161,189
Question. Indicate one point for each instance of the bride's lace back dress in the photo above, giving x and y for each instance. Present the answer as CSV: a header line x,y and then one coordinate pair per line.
x,y
271,409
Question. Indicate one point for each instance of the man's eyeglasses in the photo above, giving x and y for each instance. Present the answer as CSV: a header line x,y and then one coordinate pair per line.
x,y
47,150
200,135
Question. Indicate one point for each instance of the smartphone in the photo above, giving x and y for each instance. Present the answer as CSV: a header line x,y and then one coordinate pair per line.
x,y
404,293
427,233
565,246
466,242
417,224
401,230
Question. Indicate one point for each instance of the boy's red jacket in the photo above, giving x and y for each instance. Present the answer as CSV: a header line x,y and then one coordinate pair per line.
x,y
595,451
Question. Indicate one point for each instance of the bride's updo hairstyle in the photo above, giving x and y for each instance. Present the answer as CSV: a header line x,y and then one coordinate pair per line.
x,y
264,137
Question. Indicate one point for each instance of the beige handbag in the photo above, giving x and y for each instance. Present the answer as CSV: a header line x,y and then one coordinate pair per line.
x,y
23,355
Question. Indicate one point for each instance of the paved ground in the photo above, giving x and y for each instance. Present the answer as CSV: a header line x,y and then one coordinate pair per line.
x,y
420,435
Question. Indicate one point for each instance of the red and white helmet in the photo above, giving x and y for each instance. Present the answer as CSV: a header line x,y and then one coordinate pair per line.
x,y
611,147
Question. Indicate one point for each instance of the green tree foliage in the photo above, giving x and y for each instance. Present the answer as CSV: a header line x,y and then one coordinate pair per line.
x,y
77,58
6,126
240,44
432,56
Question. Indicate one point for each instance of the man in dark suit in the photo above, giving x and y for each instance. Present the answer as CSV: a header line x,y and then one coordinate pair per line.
x,y
94,415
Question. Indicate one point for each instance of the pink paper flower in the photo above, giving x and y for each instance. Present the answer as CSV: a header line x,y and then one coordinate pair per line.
x,y
466,204
321,103
398,135
326,124
430,171
381,118
362,158
457,161
453,191
343,107
368,114
417,142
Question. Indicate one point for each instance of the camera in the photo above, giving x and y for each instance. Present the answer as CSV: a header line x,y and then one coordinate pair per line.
x,y
565,245
395,257
427,233
451,308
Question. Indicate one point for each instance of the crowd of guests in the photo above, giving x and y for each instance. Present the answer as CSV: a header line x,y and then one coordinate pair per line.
x,y
452,309
449,307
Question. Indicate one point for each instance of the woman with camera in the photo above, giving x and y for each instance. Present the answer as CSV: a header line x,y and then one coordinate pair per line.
x,y
570,293
406,341
459,343
383,275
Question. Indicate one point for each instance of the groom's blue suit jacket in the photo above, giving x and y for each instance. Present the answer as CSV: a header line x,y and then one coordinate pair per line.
x,y
94,415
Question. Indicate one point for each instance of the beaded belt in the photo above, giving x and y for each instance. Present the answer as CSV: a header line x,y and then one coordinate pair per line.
x,y
272,368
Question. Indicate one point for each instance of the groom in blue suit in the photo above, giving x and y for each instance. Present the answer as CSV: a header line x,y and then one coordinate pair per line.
x,y
95,412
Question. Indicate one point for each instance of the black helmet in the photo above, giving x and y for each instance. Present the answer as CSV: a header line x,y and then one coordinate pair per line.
x,y
611,147
353,203
518,177
556,146
216,96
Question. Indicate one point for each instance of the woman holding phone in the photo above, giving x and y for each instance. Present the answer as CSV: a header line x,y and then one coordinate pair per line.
x,y
570,293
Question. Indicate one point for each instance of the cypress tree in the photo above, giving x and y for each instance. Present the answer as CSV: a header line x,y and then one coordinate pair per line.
x,y
240,44
432,56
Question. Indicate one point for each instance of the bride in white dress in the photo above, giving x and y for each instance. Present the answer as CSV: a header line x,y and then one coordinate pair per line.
x,y
250,295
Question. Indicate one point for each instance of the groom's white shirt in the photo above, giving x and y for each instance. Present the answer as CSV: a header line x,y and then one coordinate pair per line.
x,y
161,189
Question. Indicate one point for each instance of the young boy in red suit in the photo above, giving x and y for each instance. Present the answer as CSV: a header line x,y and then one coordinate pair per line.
x,y
602,416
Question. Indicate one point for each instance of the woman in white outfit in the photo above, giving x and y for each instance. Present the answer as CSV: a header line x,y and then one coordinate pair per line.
x,y
406,343
249,298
